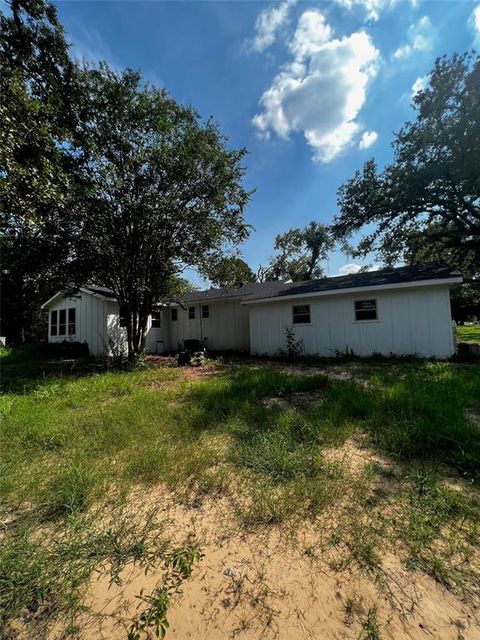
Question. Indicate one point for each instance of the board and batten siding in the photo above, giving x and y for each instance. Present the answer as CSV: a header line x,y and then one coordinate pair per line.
x,y
409,321
90,321
226,328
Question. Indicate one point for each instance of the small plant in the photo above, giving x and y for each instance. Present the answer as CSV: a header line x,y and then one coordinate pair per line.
x,y
153,619
370,626
294,348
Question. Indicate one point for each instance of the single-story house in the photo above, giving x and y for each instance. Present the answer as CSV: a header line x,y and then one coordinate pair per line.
x,y
399,311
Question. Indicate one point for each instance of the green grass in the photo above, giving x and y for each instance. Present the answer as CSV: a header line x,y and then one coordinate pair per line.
x,y
469,333
74,435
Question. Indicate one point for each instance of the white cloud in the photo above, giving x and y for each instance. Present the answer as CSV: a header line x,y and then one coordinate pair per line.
x,y
419,38
367,139
475,23
321,91
419,85
267,25
353,267
372,8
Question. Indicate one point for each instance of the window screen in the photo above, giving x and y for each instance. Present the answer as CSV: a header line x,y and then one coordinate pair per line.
x,y
301,314
156,319
54,323
205,311
191,313
365,310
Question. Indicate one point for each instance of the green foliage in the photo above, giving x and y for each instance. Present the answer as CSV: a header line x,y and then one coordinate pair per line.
x,y
227,271
469,333
427,199
299,253
153,617
37,92
163,191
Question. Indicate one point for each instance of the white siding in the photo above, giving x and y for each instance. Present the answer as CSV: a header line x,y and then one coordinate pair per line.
x,y
226,328
410,321
91,321
98,324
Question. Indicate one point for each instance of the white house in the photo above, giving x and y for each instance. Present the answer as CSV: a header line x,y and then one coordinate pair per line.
x,y
396,311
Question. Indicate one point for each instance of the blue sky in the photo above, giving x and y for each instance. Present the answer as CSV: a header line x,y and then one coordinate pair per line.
x,y
312,89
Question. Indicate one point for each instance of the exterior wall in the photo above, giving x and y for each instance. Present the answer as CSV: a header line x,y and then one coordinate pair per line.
x,y
226,328
98,324
91,321
410,321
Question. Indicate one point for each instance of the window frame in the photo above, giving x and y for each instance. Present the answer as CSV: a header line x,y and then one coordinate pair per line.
x,y
305,313
174,314
205,311
158,320
71,323
364,320
191,313
52,323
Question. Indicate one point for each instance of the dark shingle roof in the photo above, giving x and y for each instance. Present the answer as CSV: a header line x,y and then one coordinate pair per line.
x,y
383,277
103,291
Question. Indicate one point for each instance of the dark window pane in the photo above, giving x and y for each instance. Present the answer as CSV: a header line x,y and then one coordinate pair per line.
x,y
174,314
53,323
62,323
156,319
301,314
191,313
71,321
365,310
205,311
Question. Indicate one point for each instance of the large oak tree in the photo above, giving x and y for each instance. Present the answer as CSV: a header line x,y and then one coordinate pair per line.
x,y
427,201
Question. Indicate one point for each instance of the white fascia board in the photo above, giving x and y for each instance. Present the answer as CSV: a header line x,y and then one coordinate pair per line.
x,y
59,294
380,287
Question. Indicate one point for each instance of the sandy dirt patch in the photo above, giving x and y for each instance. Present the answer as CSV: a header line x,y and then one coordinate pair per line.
x,y
267,584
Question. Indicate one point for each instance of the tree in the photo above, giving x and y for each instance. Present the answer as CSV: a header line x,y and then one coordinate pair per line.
x,y
431,190
299,253
225,271
37,91
163,192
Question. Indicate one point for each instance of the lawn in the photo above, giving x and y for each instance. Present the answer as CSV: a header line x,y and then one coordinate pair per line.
x,y
469,333
368,470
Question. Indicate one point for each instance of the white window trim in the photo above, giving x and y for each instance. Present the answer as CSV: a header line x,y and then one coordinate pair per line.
x,y
355,321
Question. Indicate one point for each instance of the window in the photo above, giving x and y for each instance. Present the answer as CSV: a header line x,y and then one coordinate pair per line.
x,y
62,322
191,313
71,321
53,323
205,311
365,310
174,314
122,321
301,314
156,319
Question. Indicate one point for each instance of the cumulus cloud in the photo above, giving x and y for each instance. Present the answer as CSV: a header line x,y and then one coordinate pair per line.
x,y
267,25
367,139
475,23
353,267
321,91
419,38
372,8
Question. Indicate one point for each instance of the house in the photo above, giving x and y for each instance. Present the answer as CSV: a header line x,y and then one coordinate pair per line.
x,y
400,311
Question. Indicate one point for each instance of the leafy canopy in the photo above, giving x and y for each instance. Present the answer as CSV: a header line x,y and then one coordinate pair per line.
x,y
162,192
430,195
299,253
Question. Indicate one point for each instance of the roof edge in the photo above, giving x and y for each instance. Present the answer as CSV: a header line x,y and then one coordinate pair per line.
x,y
451,279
